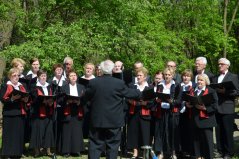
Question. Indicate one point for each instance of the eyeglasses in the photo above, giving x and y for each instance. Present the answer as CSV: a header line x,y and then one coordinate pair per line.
x,y
221,64
171,66
16,75
67,63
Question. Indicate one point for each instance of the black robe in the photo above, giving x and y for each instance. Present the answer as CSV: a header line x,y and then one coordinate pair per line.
x,y
72,136
14,113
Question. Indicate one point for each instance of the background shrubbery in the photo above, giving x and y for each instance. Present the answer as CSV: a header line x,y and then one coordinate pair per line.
x,y
152,31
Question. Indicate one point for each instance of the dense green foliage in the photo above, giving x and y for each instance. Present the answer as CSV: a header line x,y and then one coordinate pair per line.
x,y
150,31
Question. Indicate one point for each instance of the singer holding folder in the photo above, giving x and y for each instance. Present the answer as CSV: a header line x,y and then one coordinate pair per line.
x,y
166,118
138,127
14,113
72,135
226,109
42,121
204,119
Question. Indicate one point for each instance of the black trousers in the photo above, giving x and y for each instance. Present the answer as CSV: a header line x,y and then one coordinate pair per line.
x,y
99,138
203,142
224,134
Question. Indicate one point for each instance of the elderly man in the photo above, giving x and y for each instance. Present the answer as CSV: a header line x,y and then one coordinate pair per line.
x,y
177,76
68,65
226,108
200,66
106,111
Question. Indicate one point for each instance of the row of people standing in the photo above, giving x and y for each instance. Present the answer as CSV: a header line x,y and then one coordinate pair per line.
x,y
177,116
38,114
167,129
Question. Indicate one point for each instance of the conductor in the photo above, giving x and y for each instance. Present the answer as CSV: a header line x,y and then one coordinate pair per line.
x,y
106,94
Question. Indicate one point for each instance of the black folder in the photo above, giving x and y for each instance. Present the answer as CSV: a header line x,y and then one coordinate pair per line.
x,y
118,75
164,97
126,76
229,85
70,97
18,92
148,94
47,97
83,81
198,100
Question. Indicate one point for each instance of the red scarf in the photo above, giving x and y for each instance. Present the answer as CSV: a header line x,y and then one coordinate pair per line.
x,y
202,113
9,91
42,109
67,110
144,111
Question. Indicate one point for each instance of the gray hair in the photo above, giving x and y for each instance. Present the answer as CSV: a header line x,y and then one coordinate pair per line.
x,y
107,66
203,59
67,58
225,61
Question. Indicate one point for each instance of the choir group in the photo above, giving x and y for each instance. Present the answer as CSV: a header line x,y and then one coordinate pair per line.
x,y
174,113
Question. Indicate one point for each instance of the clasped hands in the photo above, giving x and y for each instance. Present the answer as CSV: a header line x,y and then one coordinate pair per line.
x,y
18,96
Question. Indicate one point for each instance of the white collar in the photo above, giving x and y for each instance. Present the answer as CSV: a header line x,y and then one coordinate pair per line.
x,y
43,86
189,84
141,88
203,89
62,78
163,83
91,77
17,85
31,73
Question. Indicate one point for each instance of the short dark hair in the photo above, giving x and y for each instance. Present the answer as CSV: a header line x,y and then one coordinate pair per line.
x,y
40,72
57,65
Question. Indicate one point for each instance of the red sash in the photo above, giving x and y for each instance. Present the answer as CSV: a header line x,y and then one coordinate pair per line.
x,y
158,111
9,91
144,111
42,108
202,113
67,111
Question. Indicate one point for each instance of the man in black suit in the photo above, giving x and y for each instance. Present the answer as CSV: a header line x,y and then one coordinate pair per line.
x,y
107,111
226,108
200,66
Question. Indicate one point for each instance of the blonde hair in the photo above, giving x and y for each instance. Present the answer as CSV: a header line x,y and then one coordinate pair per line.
x,y
12,71
187,72
89,64
15,62
205,78
143,70
169,70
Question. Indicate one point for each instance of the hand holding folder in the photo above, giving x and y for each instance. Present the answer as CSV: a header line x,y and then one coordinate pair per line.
x,y
72,99
47,99
148,94
17,94
164,97
198,100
